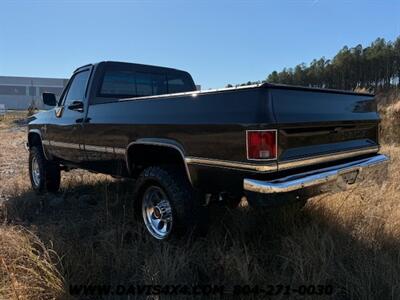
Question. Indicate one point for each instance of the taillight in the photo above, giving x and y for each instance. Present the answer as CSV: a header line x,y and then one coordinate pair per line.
x,y
261,144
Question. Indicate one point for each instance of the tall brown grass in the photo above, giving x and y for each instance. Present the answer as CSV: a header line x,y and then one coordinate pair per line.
x,y
390,125
28,268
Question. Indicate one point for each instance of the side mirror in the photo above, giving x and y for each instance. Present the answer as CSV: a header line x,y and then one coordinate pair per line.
x,y
49,99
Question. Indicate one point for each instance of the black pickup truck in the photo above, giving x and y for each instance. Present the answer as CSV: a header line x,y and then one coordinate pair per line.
x,y
272,143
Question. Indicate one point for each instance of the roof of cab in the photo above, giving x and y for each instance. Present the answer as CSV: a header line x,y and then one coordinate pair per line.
x,y
128,63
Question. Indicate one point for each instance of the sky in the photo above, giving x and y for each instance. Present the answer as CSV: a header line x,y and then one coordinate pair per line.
x,y
217,41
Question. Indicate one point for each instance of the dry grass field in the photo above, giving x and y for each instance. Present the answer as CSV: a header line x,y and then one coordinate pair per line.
x,y
86,234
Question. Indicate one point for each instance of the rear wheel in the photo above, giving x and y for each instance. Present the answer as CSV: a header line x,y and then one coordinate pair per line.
x,y
168,204
157,212
44,175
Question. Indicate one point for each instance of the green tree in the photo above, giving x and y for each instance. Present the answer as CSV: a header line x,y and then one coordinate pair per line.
x,y
372,67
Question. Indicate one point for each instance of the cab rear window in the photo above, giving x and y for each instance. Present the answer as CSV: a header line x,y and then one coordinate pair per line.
x,y
126,84
118,83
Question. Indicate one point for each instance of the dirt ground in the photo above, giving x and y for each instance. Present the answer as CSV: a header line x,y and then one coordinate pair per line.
x,y
13,158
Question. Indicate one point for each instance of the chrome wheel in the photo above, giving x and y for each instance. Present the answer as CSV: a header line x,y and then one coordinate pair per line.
x,y
157,212
35,170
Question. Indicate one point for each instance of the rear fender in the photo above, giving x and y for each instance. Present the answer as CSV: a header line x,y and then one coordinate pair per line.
x,y
158,146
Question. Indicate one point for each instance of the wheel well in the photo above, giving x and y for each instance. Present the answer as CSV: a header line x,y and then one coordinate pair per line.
x,y
141,156
34,139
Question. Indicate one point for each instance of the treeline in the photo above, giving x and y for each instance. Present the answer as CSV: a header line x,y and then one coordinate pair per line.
x,y
373,67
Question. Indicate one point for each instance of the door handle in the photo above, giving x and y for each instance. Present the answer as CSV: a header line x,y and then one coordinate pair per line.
x,y
76,106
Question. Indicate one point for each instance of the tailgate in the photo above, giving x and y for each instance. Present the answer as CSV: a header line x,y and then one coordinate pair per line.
x,y
313,123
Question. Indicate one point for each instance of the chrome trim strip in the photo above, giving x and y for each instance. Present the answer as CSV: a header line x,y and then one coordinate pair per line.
x,y
314,178
272,167
193,93
93,148
284,165
64,145
161,145
109,149
120,151
103,149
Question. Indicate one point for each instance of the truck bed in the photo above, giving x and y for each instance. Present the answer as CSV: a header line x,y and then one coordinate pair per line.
x,y
311,122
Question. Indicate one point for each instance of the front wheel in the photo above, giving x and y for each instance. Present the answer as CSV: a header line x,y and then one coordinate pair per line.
x,y
168,204
44,175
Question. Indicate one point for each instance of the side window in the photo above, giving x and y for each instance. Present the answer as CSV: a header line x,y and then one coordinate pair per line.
x,y
175,85
143,84
159,84
178,83
118,83
148,84
77,88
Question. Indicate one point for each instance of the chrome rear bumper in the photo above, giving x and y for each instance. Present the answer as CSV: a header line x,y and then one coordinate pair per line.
x,y
327,179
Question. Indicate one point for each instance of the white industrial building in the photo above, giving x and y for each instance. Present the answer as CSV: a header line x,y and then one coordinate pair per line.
x,y
20,92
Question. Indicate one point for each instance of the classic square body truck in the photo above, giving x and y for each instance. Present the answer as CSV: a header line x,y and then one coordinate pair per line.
x,y
273,143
